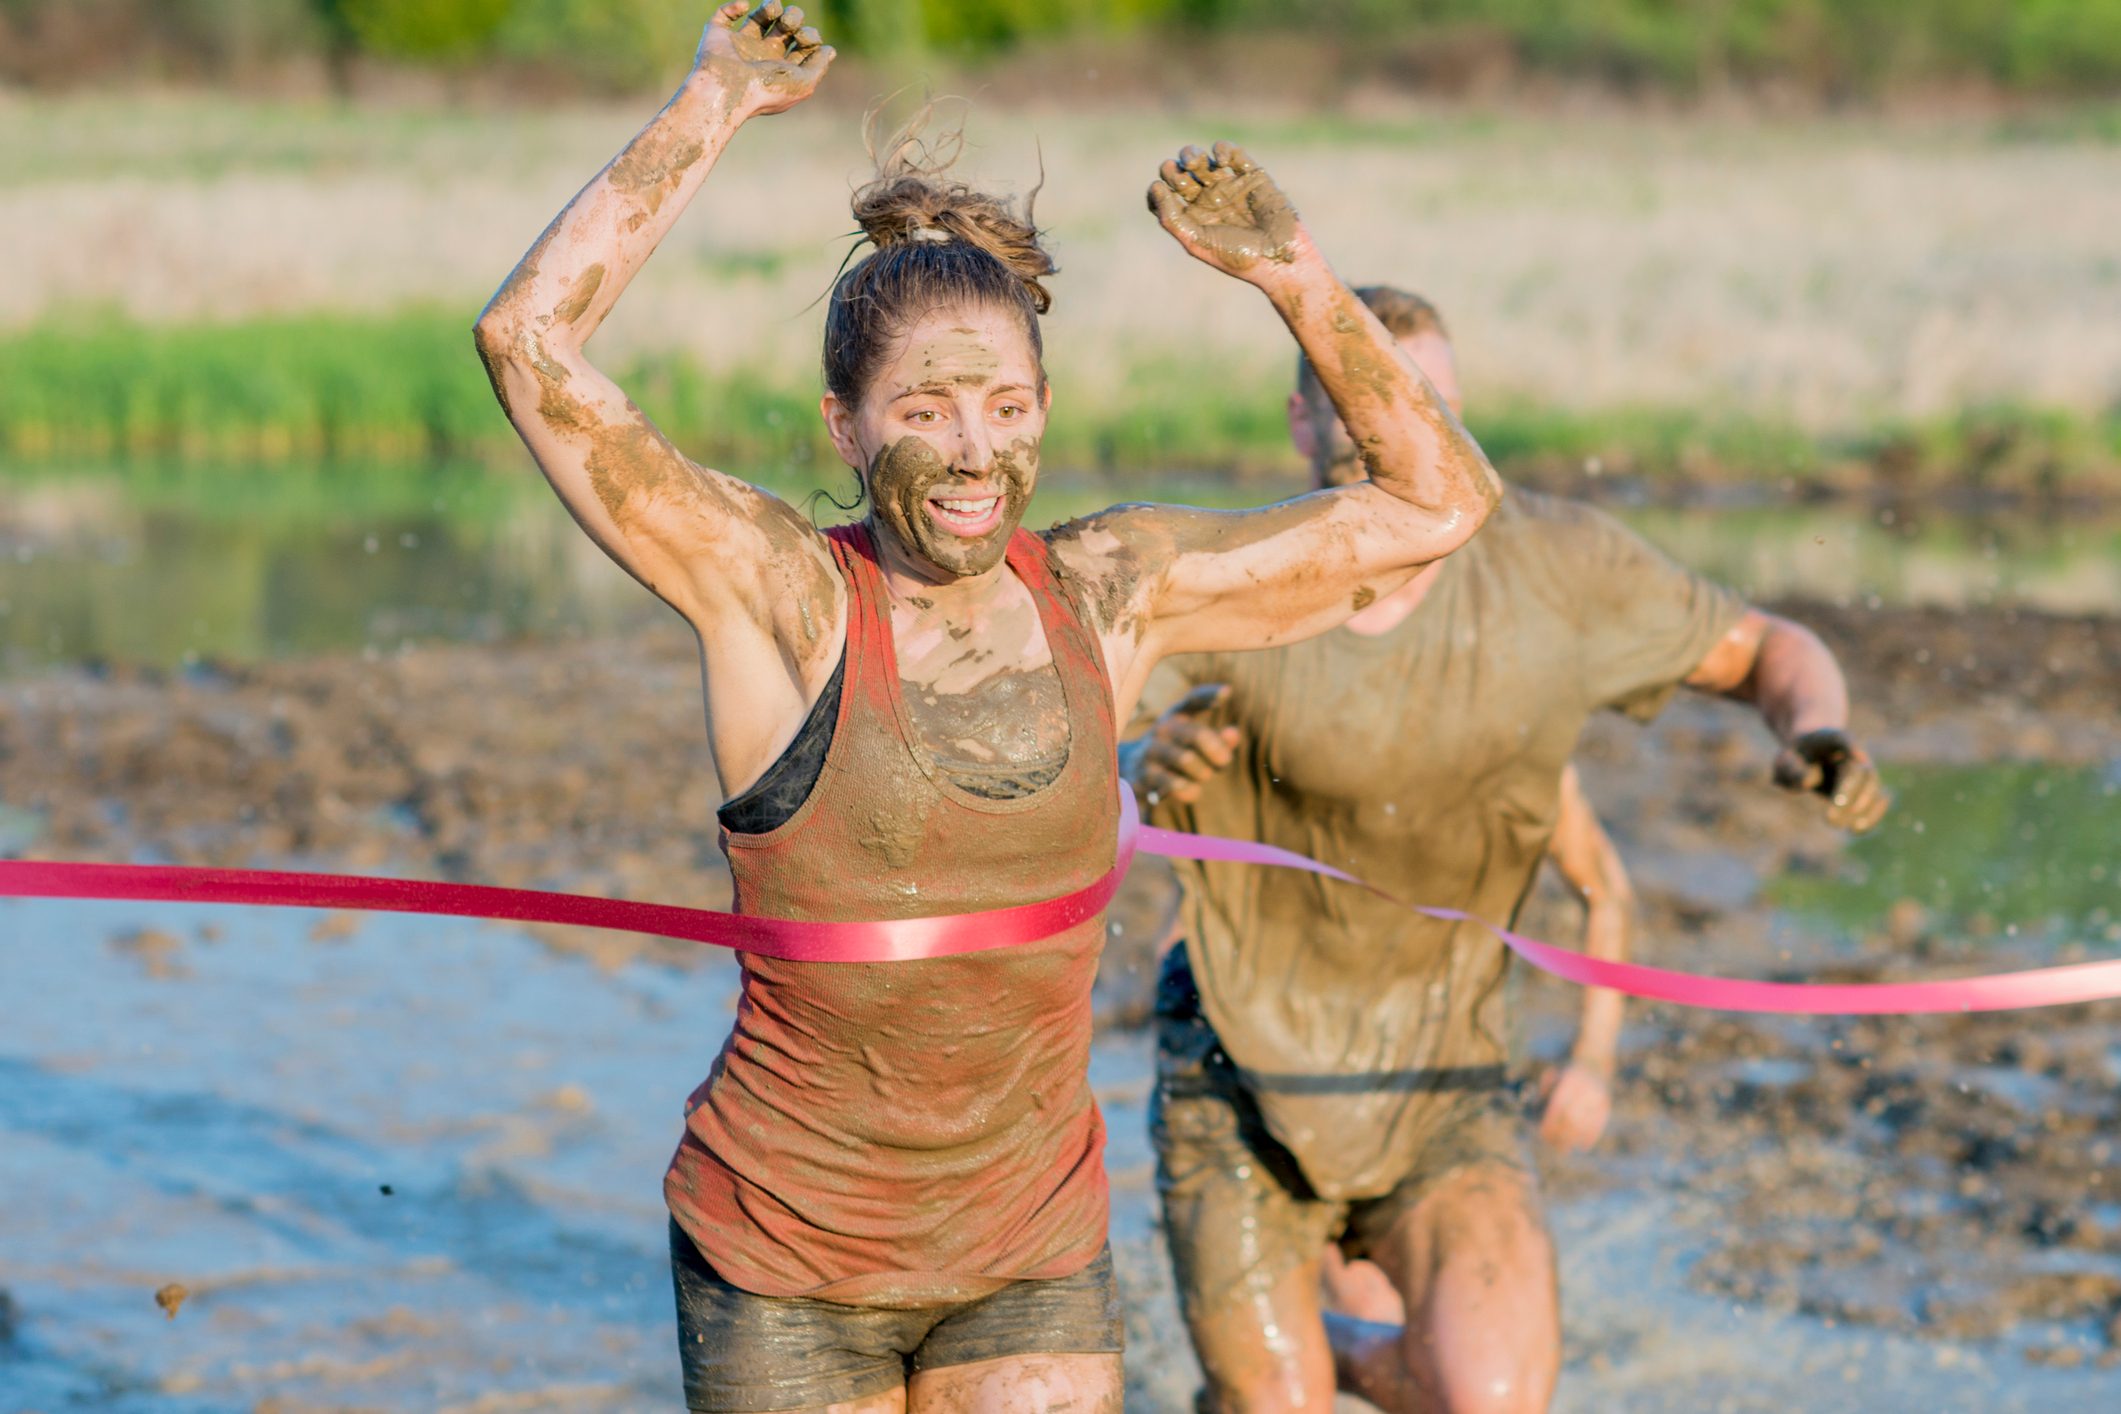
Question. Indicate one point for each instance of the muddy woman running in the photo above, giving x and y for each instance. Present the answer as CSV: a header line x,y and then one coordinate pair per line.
x,y
890,1191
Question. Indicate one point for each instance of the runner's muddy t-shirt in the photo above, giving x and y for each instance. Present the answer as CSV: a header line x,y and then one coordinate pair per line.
x,y
1427,760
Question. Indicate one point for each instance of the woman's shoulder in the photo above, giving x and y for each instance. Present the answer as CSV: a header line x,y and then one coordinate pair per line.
x,y
1101,559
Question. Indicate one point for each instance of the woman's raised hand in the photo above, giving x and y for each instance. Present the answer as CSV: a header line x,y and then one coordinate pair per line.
x,y
1225,210
765,54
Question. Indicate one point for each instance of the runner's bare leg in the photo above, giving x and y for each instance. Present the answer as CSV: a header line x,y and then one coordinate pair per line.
x,y
1266,1353
1475,1267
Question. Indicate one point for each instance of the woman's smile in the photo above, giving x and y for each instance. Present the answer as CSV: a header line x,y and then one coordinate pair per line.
x,y
970,514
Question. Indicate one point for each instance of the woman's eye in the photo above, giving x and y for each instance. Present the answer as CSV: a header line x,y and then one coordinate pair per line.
x,y
1008,412
924,416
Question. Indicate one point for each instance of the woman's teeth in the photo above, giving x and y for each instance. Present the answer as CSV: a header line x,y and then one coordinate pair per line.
x,y
965,512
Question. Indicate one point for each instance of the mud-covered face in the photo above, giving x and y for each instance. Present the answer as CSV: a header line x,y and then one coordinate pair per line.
x,y
947,439
1323,438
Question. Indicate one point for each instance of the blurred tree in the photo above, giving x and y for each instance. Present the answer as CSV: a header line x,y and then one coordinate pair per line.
x,y
1836,49
891,31
420,29
2066,44
611,44
51,43
1000,22
225,36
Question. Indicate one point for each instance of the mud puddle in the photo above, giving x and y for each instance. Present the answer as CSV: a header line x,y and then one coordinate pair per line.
x,y
415,1164
1786,1214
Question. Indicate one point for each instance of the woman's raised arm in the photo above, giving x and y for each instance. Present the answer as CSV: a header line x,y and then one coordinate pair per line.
x,y
1187,580
722,553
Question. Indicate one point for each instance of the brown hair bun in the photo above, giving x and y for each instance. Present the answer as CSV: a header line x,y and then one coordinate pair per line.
x,y
913,198
938,242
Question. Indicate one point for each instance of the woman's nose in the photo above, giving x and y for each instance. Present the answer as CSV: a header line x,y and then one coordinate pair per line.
x,y
975,444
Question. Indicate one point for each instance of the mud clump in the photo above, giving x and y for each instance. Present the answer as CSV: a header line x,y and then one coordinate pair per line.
x,y
171,1298
158,953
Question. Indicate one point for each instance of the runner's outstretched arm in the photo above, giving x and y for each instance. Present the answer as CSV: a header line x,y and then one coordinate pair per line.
x,y
1784,671
714,548
1579,1094
748,571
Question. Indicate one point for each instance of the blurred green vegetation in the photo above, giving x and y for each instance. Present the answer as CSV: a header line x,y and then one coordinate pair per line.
x,y
407,389
1832,49
1982,848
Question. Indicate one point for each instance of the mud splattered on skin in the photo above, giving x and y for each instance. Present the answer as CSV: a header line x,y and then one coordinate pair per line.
x,y
643,482
1117,559
1016,720
495,362
770,52
649,170
1101,557
980,686
1377,374
571,309
1225,206
903,475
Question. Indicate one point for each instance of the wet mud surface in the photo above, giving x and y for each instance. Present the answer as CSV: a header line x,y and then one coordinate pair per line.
x,y
415,1163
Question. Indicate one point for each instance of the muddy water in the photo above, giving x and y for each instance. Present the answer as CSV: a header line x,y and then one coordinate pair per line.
x,y
1810,1215
414,1165
140,569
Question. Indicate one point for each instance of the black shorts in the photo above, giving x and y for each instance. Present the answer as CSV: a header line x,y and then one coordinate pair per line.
x,y
743,1352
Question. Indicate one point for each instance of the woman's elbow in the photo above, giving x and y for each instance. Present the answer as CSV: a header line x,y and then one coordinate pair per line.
x,y
1462,516
496,333
520,361
498,345
1483,488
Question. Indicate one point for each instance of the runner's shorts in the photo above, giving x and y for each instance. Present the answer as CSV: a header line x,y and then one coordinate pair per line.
x,y
1238,1213
744,1352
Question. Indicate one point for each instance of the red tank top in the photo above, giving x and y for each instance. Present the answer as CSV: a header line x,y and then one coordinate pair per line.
x,y
912,1133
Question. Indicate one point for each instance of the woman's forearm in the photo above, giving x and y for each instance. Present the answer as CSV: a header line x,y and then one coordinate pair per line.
x,y
1410,442
561,290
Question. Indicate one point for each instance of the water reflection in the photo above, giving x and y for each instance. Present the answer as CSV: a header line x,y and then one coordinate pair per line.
x,y
2066,562
147,566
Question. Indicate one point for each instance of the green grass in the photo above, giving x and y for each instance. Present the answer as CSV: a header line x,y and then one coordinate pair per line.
x,y
1999,447
406,390
316,387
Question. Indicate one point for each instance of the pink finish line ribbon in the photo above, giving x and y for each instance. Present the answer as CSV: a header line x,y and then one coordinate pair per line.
x,y
2005,991
797,940
905,939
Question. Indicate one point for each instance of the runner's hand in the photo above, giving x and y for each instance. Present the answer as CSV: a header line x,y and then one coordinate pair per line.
x,y
1228,213
1829,763
1184,748
1579,1100
767,55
